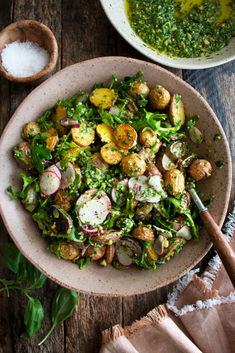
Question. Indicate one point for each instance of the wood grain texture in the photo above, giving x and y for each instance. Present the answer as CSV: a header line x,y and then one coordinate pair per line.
x,y
83,32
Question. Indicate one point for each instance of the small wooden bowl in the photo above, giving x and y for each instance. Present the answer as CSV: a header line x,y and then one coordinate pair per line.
x,y
33,31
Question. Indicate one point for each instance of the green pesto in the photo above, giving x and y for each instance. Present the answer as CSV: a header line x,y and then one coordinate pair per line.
x,y
162,25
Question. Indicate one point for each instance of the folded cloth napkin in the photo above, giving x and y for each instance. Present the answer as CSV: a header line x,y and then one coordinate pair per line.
x,y
199,316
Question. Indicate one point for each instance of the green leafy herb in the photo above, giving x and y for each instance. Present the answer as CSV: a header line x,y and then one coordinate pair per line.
x,y
39,152
63,305
12,257
33,317
27,180
217,137
219,164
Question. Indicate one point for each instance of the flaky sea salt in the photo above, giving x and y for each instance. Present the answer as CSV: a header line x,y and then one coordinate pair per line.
x,y
24,59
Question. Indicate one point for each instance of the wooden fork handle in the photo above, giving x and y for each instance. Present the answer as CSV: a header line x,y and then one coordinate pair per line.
x,y
221,244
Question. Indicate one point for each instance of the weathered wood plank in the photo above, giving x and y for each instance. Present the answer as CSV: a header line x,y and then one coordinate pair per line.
x,y
47,12
86,32
93,314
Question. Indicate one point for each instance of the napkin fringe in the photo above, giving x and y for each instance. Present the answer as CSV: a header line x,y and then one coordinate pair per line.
x,y
112,334
154,317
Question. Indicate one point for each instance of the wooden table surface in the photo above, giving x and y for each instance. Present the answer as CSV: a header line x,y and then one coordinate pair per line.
x,y
83,32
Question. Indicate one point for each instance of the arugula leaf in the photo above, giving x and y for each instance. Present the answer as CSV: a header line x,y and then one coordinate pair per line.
x,y
39,152
45,121
27,180
191,122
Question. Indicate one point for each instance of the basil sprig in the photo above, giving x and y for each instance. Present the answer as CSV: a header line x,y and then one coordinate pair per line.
x,y
28,278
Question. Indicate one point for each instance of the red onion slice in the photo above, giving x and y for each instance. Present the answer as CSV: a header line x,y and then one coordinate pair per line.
x,y
69,122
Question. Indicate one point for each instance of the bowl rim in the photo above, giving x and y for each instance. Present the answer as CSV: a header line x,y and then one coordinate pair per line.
x,y
157,57
53,55
227,195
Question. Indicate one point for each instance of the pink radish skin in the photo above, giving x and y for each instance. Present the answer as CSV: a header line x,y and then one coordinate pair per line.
x,y
67,176
159,244
49,183
88,230
87,195
53,168
126,250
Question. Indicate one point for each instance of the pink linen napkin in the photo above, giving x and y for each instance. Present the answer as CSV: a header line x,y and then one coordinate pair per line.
x,y
199,316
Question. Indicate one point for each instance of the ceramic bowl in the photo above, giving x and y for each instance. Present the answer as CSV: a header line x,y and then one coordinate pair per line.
x,y
94,278
36,32
115,11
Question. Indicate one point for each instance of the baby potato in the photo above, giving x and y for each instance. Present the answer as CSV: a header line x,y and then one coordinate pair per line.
x,y
52,138
60,113
152,169
22,154
69,251
110,252
144,212
174,182
96,253
143,233
200,169
105,132
74,152
176,111
147,137
98,162
159,98
83,135
31,129
63,199
133,165
103,97
111,153
125,136
137,89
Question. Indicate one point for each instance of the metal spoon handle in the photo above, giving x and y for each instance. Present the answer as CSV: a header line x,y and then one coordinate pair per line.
x,y
220,243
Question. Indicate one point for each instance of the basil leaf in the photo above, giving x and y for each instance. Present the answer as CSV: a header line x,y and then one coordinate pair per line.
x,y
36,278
63,305
33,317
12,257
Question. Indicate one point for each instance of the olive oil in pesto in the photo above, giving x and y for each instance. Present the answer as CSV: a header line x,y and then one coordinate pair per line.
x,y
183,28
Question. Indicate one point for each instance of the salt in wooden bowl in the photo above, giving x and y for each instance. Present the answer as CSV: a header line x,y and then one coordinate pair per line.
x,y
35,32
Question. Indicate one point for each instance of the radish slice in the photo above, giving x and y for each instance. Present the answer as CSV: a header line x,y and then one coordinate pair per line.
x,y
89,194
119,191
184,233
49,183
143,192
87,229
69,122
114,110
135,246
124,255
126,250
159,245
53,168
157,184
93,212
68,175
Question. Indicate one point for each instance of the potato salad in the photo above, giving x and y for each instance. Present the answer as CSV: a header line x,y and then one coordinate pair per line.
x,y
106,172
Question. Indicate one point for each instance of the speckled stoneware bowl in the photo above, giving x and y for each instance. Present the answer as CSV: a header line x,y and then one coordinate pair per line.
x,y
24,232
115,11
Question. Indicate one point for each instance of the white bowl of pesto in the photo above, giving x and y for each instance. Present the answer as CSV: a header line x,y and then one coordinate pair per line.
x,y
217,11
